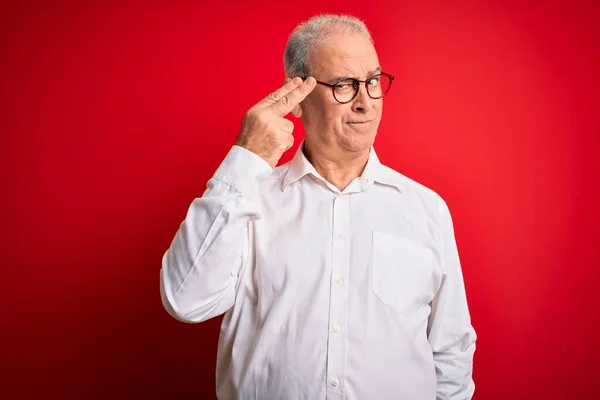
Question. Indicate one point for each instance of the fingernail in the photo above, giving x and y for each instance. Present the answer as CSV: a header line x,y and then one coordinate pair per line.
x,y
297,80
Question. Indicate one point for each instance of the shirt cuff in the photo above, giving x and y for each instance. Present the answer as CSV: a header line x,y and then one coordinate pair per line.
x,y
242,170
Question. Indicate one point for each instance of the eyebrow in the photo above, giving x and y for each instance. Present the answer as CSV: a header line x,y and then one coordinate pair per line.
x,y
370,73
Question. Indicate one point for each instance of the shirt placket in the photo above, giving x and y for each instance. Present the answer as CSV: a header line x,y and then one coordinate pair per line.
x,y
336,354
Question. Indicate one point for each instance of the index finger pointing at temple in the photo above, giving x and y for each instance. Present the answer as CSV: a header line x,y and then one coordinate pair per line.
x,y
277,95
292,99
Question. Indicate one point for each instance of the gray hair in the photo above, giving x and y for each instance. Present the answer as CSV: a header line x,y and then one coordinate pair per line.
x,y
296,59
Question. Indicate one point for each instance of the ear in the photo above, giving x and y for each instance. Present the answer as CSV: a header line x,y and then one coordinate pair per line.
x,y
296,111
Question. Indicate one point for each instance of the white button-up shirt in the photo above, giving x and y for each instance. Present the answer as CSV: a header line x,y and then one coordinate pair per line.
x,y
328,294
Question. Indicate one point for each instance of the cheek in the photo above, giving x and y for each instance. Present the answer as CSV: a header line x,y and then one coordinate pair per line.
x,y
336,118
326,116
332,116
320,110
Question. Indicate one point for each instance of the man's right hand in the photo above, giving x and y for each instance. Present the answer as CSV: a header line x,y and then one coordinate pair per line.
x,y
265,131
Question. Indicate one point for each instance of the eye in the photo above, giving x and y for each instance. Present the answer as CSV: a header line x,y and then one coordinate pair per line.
x,y
346,85
374,81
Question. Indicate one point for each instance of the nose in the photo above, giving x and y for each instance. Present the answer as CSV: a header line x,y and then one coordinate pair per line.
x,y
362,102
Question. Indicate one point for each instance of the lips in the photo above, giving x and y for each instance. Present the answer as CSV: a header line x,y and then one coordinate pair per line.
x,y
360,122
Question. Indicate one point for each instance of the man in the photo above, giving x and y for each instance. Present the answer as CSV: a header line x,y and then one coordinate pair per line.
x,y
339,277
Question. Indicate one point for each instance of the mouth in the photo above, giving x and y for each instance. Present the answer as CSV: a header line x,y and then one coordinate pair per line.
x,y
359,122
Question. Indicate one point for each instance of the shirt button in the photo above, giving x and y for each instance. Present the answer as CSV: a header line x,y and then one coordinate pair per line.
x,y
340,236
340,281
337,329
335,382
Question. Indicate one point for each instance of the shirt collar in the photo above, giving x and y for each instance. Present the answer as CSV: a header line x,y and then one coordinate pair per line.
x,y
374,171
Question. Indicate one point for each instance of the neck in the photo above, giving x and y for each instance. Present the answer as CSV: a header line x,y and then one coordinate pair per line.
x,y
337,166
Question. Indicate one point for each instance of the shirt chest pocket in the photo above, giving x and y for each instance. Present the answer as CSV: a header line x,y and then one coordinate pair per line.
x,y
402,271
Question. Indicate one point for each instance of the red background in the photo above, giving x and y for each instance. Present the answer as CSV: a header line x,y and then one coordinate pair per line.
x,y
113,117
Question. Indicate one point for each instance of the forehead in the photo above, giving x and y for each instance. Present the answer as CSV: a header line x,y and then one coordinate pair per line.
x,y
344,54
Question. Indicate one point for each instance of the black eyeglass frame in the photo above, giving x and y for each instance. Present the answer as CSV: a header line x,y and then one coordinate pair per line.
x,y
356,84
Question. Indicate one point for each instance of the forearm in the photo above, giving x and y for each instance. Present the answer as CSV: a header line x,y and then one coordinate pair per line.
x,y
200,268
451,334
454,368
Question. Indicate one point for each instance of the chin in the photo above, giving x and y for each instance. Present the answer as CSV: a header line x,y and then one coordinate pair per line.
x,y
358,143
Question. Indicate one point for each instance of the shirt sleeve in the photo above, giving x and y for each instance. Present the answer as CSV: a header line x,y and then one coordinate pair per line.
x,y
450,332
199,273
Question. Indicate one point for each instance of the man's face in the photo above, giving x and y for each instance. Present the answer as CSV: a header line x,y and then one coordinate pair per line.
x,y
352,126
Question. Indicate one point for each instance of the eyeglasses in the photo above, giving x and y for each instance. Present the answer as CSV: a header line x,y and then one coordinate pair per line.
x,y
346,89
